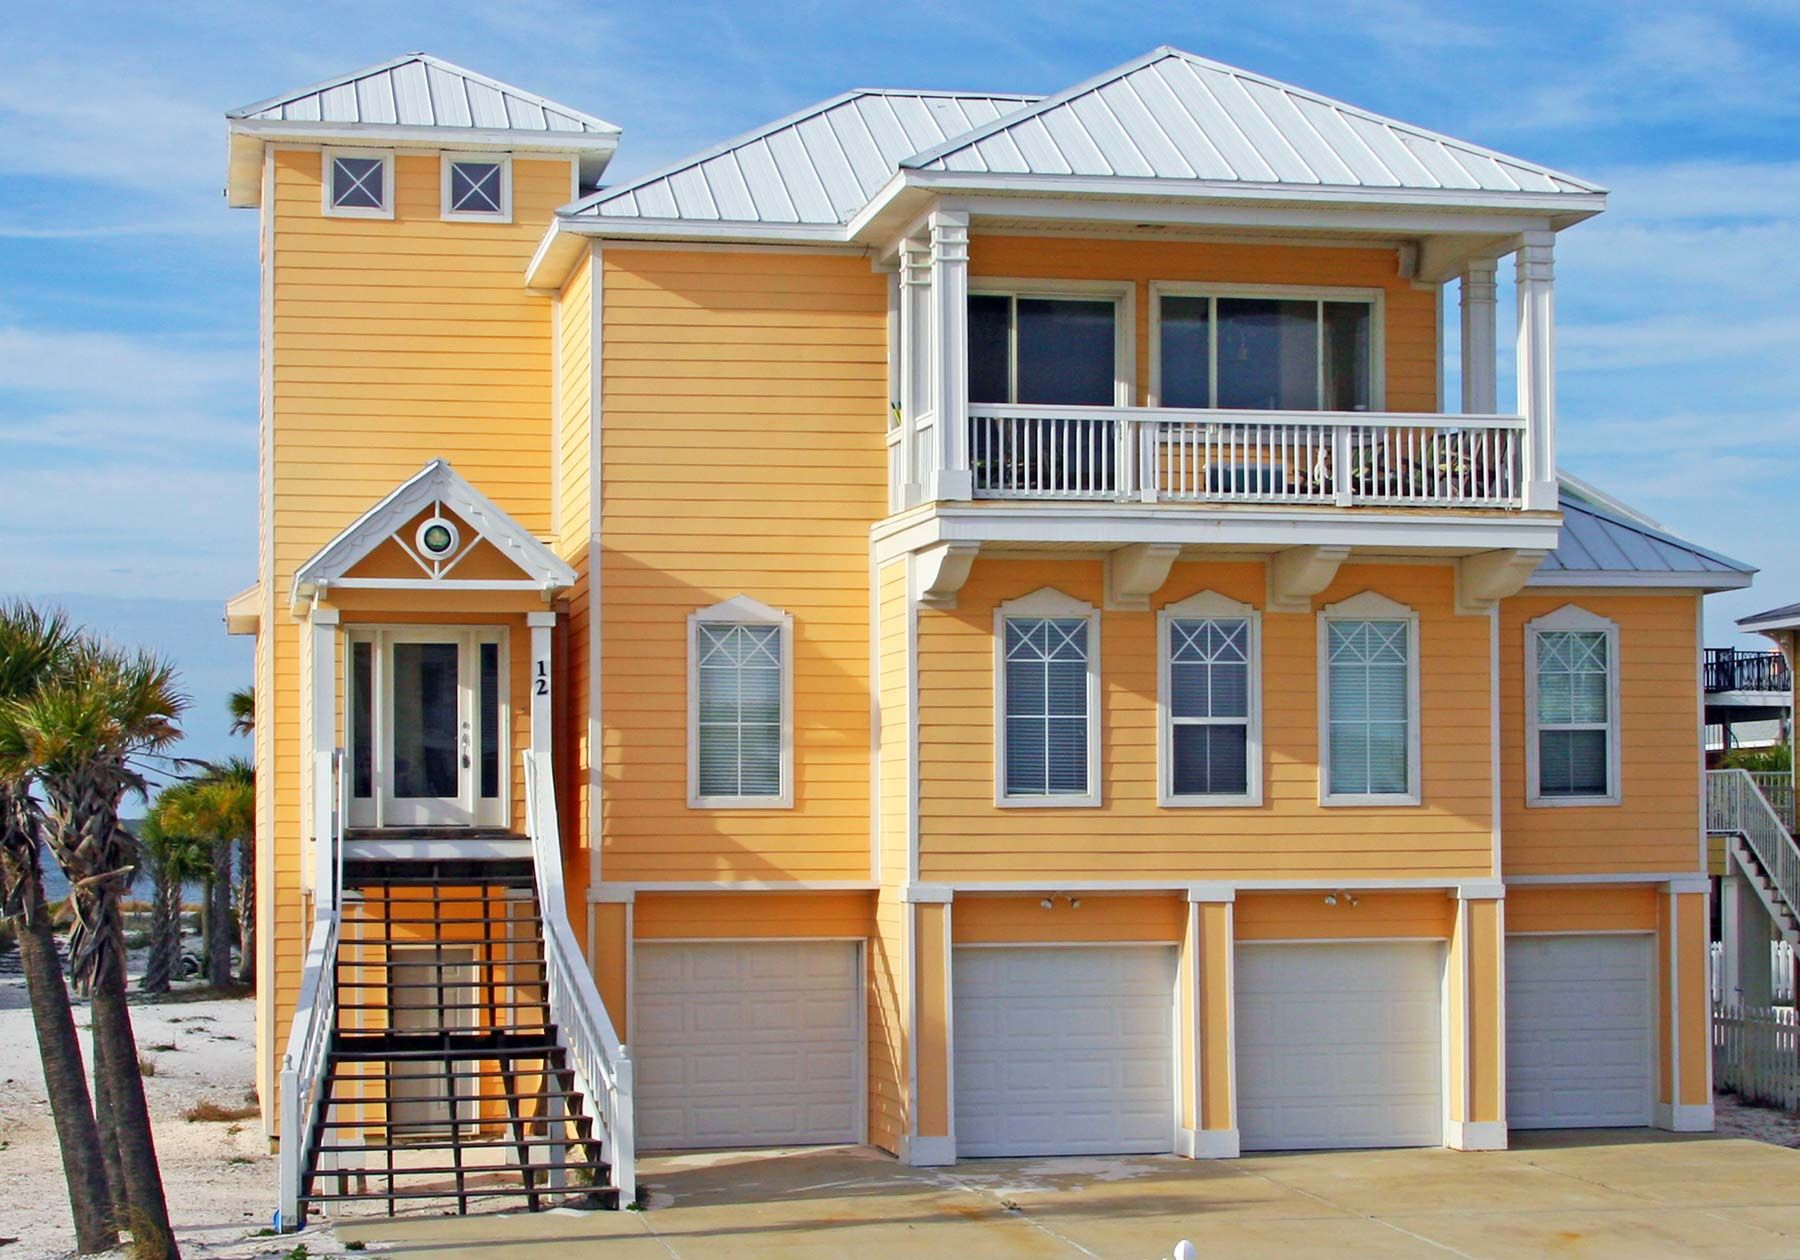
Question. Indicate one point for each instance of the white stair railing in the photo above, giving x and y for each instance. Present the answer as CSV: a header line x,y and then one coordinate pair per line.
x,y
1736,806
603,1069
315,1014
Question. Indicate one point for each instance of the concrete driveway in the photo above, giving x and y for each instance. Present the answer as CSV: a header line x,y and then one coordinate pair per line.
x,y
1629,1194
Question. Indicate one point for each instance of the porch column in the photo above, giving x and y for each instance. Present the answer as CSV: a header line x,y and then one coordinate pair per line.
x,y
1535,264
932,1140
1477,1085
610,914
1206,1087
1684,1084
916,453
321,706
950,352
1480,337
542,682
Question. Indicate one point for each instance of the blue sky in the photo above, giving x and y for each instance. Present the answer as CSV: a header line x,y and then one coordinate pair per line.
x,y
128,298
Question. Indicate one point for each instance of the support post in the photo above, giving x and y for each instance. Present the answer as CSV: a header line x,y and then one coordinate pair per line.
x,y
542,684
915,366
932,1139
323,627
1480,338
1535,264
1207,1090
950,352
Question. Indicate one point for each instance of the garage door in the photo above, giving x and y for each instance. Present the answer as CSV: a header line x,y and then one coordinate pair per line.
x,y
1064,1051
747,1044
1579,1031
1340,1045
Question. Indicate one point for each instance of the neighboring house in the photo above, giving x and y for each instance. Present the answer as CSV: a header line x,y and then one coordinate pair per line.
x,y
1028,659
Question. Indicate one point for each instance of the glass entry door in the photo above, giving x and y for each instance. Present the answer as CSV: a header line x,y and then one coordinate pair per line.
x,y
425,734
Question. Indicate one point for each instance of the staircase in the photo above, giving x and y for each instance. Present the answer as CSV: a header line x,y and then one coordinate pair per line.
x,y
1761,844
449,1044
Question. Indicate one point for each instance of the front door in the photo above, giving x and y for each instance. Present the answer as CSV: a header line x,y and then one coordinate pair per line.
x,y
426,737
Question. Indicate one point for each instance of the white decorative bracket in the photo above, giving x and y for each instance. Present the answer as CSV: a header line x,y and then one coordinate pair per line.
x,y
1484,580
939,573
1299,573
1135,573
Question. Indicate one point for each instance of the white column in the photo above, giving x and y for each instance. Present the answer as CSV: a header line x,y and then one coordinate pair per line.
x,y
950,352
915,367
543,683
1537,365
1480,335
323,677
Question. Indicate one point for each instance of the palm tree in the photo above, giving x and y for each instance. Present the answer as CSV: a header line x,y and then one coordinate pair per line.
x,y
173,859
221,807
242,704
83,733
33,646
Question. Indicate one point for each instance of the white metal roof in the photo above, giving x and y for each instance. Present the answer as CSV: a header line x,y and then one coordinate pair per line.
x,y
1172,115
819,166
419,90
1602,546
1784,618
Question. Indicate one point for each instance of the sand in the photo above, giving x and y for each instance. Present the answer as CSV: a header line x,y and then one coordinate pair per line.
x,y
219,1175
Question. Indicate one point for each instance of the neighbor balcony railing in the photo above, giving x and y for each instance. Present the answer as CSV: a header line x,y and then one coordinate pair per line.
x,y
1342,459
1728,669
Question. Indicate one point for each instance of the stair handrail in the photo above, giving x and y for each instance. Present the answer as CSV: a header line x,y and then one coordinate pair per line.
x,y
315,1012
601,1061
1735,805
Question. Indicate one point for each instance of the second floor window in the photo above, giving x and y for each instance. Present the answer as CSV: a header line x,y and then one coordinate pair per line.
x,y
1048,688
1371,735
739,697
1211,739
1264,351
359,183
1572,709
477,188
1029,349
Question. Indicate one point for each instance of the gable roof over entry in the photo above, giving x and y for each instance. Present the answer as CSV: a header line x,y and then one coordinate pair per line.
x,y
436,483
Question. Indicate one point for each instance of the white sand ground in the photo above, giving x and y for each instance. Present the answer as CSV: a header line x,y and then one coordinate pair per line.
x,y
219,1176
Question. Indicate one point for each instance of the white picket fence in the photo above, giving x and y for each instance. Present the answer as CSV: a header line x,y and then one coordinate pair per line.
x,y
1756,1054
1781,971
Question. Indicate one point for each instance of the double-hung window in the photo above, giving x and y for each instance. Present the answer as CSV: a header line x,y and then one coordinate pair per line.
x,y
1267,348
740,702
359,183
1211,739
1572,709
1047,735
1369,703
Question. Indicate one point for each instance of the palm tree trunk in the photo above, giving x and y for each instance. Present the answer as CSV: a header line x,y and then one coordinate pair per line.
x,y
65,1081
218,920
108,1116
125,1095
165,934
246,910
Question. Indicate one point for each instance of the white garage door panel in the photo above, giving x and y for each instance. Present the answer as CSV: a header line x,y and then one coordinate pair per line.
x,y
1340,1045
1579,1031
747,1044
1064,1051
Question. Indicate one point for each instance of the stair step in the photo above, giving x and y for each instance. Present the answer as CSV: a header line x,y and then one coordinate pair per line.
x,y
483,1142
440,1170
605,1194
574,1115
491,1074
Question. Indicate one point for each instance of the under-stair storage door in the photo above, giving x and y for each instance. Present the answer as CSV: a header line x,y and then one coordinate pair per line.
x,y
1064,1050
1340,1044
1580,1030
434,992
426,728
748,1043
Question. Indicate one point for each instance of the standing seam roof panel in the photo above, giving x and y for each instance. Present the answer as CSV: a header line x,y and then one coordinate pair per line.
x,y
1002,154
1110,136
1395,156
1246,163
338,104
842,188
1072,139
375,100
804,186
693,199
449,98
412,95
1178,124
1328,124
861,149
1147,134
1234,97
1440,161
764,182
1037,148
730,192
1285,116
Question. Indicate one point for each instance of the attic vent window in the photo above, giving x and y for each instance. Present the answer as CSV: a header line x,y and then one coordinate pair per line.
x,y
478,188
359,184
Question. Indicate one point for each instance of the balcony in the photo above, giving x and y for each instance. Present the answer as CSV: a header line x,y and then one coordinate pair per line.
x,y
1728,669
1169,455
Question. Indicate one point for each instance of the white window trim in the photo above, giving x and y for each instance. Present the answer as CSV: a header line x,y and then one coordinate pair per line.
x,y
1573,617
1122,293
1047,602
503,161
1159,289
741,610
1201,606
327,157
1369,606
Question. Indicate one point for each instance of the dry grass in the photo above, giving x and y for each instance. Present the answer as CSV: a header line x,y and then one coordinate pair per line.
x,y
147,1241
146,1065
207,1110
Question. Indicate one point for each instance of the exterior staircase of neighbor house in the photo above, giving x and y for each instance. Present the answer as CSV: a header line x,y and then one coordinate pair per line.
x,y
1761,841
449,1044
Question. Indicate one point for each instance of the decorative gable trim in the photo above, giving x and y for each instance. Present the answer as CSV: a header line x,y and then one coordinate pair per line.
x,y
1209,604
1571,617
1045,602
440,485
1367,604
743,609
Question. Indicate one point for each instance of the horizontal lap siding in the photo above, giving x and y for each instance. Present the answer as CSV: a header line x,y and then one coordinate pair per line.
x,y
1656,827
727,916
1581,909
1097,920
744,399
964,835
394,342
1411,314
1375,915
574,463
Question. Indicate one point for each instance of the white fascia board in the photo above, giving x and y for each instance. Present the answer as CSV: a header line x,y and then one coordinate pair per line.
x,y
554,259
1185,526
1752,625
1704,581
629,227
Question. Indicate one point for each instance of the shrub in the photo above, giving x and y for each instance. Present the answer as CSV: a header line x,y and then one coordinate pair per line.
x,y
146,1065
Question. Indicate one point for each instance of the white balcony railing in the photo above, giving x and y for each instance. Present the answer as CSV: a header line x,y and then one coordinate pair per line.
x,y
1342,459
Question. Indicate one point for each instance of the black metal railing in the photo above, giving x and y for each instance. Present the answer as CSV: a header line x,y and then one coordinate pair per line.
x,y
1728,669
